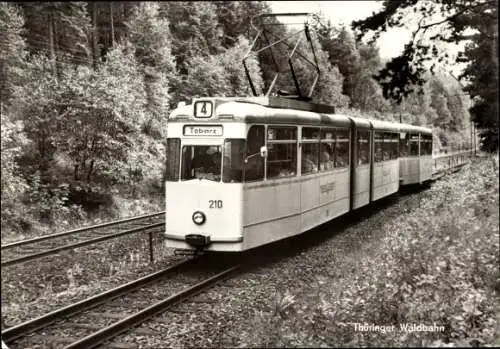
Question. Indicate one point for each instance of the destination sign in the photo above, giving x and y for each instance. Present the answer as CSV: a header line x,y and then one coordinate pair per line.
x,y
193,130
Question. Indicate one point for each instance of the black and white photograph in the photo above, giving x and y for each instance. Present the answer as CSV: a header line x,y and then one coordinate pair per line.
x,y
249,174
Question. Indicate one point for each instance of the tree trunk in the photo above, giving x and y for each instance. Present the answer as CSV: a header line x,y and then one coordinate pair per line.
x,y
95,54
51,44
112,24
91,169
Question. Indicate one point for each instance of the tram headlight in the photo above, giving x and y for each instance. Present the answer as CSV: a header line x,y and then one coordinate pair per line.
x,y
199,218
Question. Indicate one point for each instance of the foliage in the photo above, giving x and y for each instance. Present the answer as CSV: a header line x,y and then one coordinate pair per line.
x,y
458,20
59,29
12,51
357,63
234,18
13,185
405,269
195,30
87,115
220,76
150,35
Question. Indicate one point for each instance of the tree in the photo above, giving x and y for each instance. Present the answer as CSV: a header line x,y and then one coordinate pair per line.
x,y
474,20
60,30
12,52
234,18
222,74
195,30
152,40
350,58
88,117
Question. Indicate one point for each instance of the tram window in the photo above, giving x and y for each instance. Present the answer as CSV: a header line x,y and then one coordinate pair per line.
x,y
342,149
387,146
310,150
202,162
378,141
173,159
426,145
282,152
282,133
232,165
310,157
404,144
327,149
363,147
254,166
429,149
310,133
414,144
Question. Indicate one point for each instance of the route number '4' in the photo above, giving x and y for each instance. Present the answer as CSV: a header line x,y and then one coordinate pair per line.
x,y
203,109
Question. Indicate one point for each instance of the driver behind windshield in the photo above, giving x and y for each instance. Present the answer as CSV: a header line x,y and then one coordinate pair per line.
x,y
207,163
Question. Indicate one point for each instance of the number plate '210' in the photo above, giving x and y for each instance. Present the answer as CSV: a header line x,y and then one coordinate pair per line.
x,y
215,203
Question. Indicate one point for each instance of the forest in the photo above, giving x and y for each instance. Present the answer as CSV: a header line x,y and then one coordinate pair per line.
x,y
86,88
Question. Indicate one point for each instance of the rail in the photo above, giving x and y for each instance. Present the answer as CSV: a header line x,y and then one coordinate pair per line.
x,y
79,230
15,253
143,294
25,328
449,161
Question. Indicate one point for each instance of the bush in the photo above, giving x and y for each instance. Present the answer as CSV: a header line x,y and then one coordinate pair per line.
x,y
436,264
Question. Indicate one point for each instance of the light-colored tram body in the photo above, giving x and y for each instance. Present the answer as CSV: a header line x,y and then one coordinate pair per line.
x,y
280,171
415,154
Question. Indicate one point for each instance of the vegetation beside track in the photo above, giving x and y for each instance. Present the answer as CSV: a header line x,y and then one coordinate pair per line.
x,y
436,263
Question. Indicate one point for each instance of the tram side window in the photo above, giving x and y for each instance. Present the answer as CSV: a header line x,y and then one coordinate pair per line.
x,y
404,144
395,146
378,139
426,145
414,144
173,159
363,147
429,149
282,151
310,150
342,149
232,165
327,149
387,147
254,165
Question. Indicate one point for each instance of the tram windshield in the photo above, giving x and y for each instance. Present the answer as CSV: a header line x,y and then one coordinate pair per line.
x,y
201,162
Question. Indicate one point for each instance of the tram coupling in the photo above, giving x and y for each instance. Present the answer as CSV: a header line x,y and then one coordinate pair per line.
x,y
186,252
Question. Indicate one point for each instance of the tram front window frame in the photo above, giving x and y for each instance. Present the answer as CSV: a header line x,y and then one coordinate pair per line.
x,y
173,159
201,162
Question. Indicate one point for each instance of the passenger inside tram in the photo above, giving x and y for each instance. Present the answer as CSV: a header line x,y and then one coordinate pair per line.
x,y
341,158
309,163
363,157
326,160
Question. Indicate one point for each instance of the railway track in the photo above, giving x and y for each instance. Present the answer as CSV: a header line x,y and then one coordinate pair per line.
x,y
34,248
96,320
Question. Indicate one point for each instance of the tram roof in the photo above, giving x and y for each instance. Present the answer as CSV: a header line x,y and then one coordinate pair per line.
x,y
265,110
412,128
